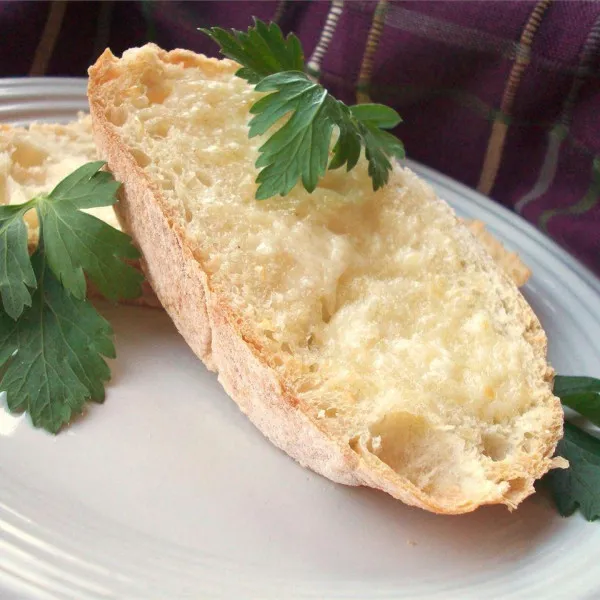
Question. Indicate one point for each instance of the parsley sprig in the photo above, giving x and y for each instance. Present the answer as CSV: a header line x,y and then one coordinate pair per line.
x,y
578,487
300,149
52,341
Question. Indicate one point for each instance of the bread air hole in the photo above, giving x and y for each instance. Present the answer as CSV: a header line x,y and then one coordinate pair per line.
x,y
204,178
141,158
411,446
306,386
518,487
117,116
28,155
329,412
399,435
526,444
354,443
158,129
157,94
157,89
495,446
326,313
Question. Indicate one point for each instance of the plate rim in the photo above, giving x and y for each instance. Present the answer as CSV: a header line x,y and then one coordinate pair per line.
x,y
504,214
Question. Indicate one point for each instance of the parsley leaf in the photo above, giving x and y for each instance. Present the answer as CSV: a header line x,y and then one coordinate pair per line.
x,y
75,241
581,394
262,50
53,354
379,145
53,342
16,274
579,485
300,149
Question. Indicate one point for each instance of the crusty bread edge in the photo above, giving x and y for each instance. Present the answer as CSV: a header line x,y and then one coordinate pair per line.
x,y
509,262
215,334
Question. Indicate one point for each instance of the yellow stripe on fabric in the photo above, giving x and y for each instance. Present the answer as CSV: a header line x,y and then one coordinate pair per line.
x,y
586,203
547,173
495,147
366,67
463,37
313,66
103,23
45,46
279,10
560,130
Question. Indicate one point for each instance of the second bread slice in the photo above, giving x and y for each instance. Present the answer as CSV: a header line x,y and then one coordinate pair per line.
x,y
34,159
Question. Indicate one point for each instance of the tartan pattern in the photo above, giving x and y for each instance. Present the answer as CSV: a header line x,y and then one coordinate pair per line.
x,y
501,95
280,10
560,129
48,38
366,67
493,153
313,65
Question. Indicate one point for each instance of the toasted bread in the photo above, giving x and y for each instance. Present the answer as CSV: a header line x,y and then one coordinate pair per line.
x,y
367,334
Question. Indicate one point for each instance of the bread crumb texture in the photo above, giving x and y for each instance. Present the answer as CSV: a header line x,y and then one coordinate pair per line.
x,y
377,311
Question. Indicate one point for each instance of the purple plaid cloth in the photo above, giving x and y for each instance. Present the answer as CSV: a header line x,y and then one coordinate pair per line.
x,y
503,96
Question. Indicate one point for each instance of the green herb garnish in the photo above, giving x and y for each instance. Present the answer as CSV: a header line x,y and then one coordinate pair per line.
x,y
52,341
579,485
300,149
582,394
262,51
16,275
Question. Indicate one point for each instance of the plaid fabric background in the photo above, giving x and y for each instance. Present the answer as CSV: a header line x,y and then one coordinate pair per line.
x,y
503,96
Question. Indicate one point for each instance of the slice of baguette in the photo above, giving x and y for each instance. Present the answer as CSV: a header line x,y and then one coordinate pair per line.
x,y
34,159
366,334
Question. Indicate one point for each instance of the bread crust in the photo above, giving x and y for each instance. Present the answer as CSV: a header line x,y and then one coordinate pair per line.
x,y
509,262
216,335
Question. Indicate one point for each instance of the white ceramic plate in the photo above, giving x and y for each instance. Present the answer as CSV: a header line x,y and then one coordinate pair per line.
x,y
168,492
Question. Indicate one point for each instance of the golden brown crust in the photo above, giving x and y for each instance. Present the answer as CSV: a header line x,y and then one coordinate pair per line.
x,y
510,262
215,334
